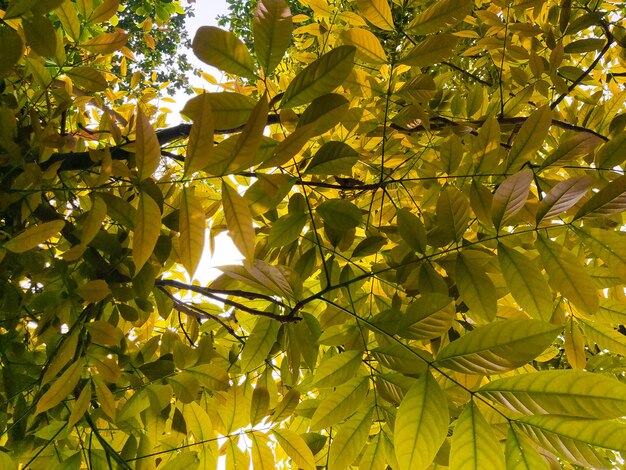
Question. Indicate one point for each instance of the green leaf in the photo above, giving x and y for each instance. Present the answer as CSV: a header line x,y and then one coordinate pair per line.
x,y
560,392
61,388
404,359
223,50
34,235
452,213
41,35
147,147
340,403
530,138
271,28
475,288
259,344
562,197
340,214
377,12
498,347
11,46
287,229
88,78
570,437
320,77
431,50
421,424
510,197
192,226
350,439
526,283
568,276
439,16
474,445
607,245
325,111
238,221
605,337
146,231
295,447
333,158
608,201
486,146
612,153
520,454
368,47
104,11
411,229
337,370
81,404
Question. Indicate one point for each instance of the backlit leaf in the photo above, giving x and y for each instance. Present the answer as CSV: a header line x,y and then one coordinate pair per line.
x,y
147,147
368,47
223,50
192,226
106,43
431,50
421,424
341,403
320,77
238,221
230,110
475,288
498,346
61,388
377,12
452,212
568,276
40,35
333,158
520,454
200,143
272,29
560,392
67,14
510,197
340,214
259,344
33,236
474,445
439,16
147,229
609,200
562,197
530,138
11,45
295,447
337,370
526,283
81,404
350,439
88,78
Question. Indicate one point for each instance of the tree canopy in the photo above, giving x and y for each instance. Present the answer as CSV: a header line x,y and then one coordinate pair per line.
x,y
428,197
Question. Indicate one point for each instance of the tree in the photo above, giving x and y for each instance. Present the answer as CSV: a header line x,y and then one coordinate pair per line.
x,y
429,200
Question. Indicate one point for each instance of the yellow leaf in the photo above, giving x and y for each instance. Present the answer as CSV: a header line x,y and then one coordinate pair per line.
x,y
61,357
147,148
69,19
61,388
105,43
421,424
94,291
147,229
191,228
40,35
102,332
200,144
93,223
295,447
80,405
474,445
104,11
368,47
350,439
238,221
377,12
105,398
33,236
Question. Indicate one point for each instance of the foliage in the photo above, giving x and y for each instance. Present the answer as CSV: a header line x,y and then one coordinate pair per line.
x,y
429,199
